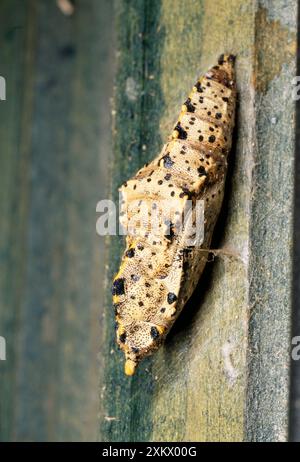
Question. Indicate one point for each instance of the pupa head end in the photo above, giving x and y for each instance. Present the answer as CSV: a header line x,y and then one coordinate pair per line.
x,y
130,367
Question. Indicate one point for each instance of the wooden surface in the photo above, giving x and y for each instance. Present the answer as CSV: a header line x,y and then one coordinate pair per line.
x,y
294,426
223,372
271,236
55,145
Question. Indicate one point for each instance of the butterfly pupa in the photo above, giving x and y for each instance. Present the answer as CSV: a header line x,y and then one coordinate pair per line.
x,y
158,273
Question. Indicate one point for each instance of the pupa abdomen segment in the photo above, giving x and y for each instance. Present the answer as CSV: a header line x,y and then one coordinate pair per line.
x,y
159,271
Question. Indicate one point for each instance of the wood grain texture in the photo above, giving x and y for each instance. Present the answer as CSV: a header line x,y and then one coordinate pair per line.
x,y
271,233
55,146
14,196
223,372
294,421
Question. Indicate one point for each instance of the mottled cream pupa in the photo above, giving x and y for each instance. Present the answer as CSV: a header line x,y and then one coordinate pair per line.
x,y
159,271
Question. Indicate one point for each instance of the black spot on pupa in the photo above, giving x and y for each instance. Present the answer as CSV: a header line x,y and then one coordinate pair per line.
x,y
154,332
218,115
212,139
199,87
225,99
141,304
171,298
171,229
201,170
185,192
135,350
221,59
118,287
135,277
168,162
190,107
182,134
168,176
122,337
162,310
162,276
130,253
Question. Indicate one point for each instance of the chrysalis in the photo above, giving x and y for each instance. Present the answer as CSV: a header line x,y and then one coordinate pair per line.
x,y
159,270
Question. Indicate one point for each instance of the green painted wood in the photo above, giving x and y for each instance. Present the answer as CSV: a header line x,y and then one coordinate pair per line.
x,y
223,372
55,146
271,233
15,64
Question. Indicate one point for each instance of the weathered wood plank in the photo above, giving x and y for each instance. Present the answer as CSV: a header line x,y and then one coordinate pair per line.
x,y
294,422
271,236
15,65
55,133
228,352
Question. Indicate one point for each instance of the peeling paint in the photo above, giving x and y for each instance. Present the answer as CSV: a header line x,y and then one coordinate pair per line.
x,y
131,89
275,45
230,371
